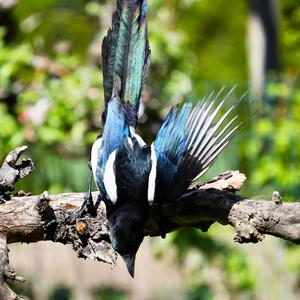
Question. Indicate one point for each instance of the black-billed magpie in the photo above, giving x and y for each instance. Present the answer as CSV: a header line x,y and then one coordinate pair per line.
x,y
129,174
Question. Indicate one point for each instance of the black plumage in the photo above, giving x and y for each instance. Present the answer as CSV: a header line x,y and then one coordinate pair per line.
x,y
129,174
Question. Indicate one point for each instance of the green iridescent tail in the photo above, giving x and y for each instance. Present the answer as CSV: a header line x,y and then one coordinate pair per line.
x,y
126,56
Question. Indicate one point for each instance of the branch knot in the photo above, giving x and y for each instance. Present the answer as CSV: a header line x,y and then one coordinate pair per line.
x,y
11,172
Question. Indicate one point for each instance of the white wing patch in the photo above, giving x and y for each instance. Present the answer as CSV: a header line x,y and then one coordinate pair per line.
x,y
130,142
95,156
138,138
109,178
152,176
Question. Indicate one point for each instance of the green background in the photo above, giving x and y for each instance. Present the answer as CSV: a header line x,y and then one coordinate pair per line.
x,y
51,98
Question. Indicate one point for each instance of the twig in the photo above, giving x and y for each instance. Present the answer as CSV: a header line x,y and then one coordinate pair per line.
x,y
50,217
11,172
6,272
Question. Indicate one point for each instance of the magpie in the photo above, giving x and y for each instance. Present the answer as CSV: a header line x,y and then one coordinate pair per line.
x,y
130,175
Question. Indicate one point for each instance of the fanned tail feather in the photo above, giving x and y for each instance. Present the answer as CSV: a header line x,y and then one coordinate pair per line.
x,y
126,55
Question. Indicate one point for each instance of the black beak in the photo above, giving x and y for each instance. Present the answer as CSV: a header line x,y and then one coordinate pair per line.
x,y
129,261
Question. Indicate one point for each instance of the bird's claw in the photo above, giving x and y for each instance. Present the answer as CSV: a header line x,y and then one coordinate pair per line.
x,y
89,204
76,214
86,207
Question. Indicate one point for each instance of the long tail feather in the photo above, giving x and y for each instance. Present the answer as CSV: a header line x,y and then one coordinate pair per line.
x,y
126,54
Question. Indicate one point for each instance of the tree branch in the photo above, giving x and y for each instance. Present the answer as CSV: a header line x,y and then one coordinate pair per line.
x,y
27,218
11,172
250,218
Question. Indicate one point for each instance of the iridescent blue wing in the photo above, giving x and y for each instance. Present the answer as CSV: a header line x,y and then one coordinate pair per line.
x,y
188,143
104,150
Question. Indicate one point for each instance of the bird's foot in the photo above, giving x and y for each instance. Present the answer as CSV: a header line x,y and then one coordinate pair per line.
x,y
87,207
88,199
89,204
74,215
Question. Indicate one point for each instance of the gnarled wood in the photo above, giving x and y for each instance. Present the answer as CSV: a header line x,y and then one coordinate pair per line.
x,y
20,220
51,217
11,172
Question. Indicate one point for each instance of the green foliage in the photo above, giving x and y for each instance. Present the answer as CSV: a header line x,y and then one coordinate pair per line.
x,y
190,55
48,102
23,288
49,22
60,293
200,292
290,34
272,146
51,98
110,293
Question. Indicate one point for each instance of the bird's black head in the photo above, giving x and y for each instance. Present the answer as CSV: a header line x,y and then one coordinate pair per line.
x,y
127,233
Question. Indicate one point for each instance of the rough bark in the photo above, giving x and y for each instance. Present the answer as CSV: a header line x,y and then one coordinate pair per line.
x,y
27,218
